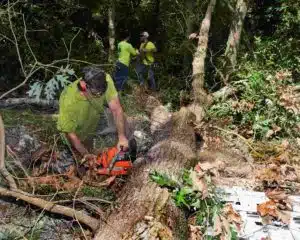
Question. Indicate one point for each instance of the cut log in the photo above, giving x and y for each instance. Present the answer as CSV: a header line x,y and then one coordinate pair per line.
x,y
146,211
12,102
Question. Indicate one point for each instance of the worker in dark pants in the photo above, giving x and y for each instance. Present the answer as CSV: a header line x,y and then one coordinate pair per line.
x,y
146,61
125,52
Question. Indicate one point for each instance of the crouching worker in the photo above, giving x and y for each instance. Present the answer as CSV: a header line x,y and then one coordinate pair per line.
x,y
80,106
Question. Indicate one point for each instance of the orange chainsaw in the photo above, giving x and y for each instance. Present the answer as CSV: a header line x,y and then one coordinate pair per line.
x,y
114,162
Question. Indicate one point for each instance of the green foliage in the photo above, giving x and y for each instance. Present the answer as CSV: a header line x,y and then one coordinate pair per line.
x,y
163,180
51,88
190,200
258,107
13,235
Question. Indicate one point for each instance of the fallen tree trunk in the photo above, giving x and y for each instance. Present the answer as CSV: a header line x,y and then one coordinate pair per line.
x,y
12,102
145,210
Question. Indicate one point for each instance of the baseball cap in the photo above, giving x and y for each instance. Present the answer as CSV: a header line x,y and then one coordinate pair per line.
x,y
145,34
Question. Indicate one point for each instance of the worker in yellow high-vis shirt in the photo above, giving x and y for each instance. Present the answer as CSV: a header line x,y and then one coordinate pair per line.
x,y
81,104
125,52
147,50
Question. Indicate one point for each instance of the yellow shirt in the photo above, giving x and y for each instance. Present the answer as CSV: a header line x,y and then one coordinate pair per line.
x,y
125,50
79,114
148,57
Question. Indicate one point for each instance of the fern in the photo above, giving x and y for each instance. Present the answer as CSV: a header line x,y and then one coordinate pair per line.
x,y
50,89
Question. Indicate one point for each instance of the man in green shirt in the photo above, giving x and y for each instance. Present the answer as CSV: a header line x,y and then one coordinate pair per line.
x,y
147,48
80,105
125,52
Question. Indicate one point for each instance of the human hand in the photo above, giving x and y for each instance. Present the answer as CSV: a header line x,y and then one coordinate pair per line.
x,y
91,159
123,142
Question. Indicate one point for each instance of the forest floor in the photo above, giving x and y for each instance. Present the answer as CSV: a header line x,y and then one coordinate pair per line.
x,y
252,165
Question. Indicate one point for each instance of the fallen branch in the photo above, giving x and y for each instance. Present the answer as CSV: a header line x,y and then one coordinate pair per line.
x,y
91,222
223,93
12,102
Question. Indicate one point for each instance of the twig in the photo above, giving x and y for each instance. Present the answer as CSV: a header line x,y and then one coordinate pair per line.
x,y
21,84
238,135
19,164
25,37
85,199
15,38
74,201
7,38
40,215
70,45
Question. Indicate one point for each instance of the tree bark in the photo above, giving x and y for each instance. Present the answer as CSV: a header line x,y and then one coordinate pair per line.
x,y
3,171
111,31
146,211
189,4
11,102
200,95
234,38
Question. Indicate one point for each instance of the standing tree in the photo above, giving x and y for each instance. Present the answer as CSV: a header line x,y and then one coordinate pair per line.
x,y
234,37
111,31
200,95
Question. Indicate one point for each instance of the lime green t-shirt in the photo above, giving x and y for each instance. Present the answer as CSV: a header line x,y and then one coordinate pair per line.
x,y
79,114
148,58
125,50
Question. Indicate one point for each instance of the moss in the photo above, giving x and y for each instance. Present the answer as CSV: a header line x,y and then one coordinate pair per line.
x,y
98,192
44,126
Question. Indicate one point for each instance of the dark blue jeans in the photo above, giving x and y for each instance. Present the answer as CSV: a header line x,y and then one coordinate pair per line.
x,y
141,70
121,75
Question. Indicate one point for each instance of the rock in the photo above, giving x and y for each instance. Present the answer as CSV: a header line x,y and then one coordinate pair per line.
x,y
18,222
22,142
143,140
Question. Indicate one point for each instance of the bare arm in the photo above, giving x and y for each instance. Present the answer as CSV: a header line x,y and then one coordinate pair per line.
x,y
76,143
117,111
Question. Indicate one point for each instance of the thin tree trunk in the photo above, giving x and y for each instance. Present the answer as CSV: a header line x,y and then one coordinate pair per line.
x,y
189,4
3,171
147,211
235,37
200,95
111,31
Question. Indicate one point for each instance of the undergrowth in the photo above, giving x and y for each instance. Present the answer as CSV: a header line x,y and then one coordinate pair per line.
x,y
43,126
257,109
203,209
